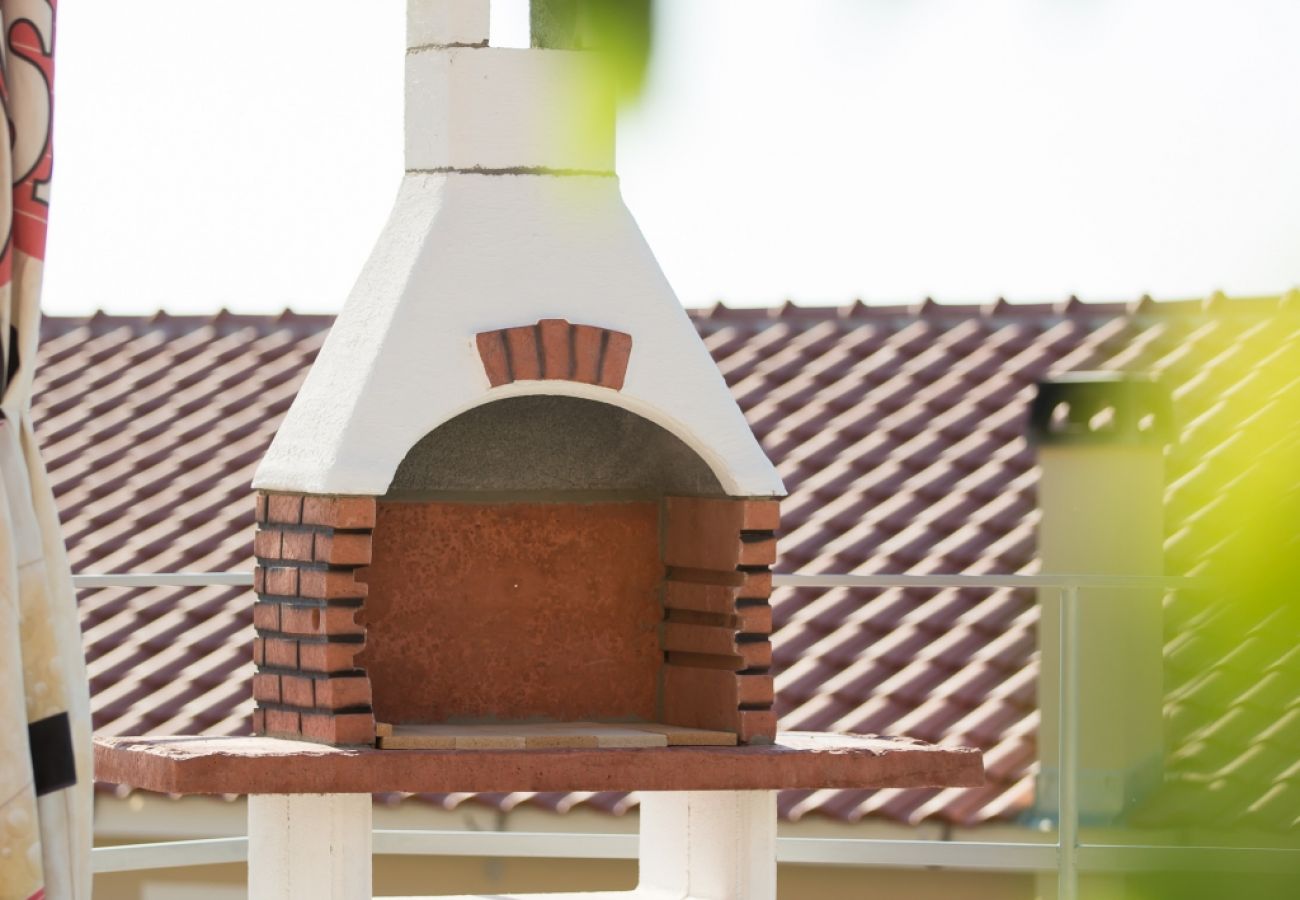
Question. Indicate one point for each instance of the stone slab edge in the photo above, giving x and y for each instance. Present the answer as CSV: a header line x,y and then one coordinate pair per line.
x,y
259,765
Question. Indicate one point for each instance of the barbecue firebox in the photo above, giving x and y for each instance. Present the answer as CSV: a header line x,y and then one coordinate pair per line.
x,y
543,570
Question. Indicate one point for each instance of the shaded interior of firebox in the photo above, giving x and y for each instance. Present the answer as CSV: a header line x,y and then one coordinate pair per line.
x,y
516,587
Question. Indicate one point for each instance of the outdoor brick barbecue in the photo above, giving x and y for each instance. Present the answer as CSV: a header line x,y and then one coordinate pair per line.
x,y
514,534
430,612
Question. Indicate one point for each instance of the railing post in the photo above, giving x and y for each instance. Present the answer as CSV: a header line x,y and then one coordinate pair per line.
x,y
1068,748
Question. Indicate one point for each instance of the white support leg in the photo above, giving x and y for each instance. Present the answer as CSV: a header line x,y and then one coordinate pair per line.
x,y
309,847
708,845
695,845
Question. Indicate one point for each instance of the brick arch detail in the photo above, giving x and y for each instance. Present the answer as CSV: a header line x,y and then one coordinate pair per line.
x,y
555,349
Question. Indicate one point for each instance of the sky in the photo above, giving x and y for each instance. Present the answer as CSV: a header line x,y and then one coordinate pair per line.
x,y
245,155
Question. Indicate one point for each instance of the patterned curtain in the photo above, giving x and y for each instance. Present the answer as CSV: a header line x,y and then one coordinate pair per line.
x,y
45,756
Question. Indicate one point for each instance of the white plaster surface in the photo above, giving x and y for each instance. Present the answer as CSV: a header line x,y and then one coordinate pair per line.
x,y
464,253
309,847
500,108
708,845
442,22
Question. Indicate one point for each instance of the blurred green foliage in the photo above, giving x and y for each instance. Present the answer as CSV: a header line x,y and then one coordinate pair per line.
x,y
1232,774
621,30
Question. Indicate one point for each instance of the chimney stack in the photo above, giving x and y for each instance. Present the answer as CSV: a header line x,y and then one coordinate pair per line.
x,y
1100,439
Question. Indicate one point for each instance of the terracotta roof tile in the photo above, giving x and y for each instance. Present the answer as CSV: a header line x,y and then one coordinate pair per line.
x,y
900,432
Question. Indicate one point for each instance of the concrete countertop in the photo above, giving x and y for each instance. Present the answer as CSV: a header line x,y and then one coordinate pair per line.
x,y
260,765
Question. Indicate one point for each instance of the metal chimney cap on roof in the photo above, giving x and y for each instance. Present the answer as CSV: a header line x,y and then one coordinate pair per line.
x,y
1108,408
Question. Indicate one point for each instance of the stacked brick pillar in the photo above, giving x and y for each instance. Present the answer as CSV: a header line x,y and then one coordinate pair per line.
x,y
311,554
717,620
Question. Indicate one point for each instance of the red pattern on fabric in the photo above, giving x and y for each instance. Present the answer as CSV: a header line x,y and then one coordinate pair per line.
x,y
30,210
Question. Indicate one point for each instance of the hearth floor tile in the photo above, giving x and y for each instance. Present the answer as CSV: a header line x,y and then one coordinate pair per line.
x,y
557,735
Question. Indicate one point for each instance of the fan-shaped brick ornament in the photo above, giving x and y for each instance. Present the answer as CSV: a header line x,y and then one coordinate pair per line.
x,y
555,349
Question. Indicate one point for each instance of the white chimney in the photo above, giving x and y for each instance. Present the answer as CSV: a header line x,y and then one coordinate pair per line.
x,y
1100,439
509,214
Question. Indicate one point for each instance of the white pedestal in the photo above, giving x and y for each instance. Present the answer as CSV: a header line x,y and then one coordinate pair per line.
x,y
303,846
710,845
695,845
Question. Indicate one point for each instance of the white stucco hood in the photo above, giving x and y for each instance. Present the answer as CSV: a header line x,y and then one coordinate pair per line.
x,y
502,220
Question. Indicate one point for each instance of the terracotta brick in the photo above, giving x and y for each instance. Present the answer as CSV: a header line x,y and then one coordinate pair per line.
x,y
755,690
706,533
317,510
613,366
305,620
758,553
756,586
755,618
757,726
709,598
319,620
298,690
281,581
761,515
700,698
282,653
337,693
284,509
259,580
266,687
339,512
259,721
259,514
329,584
347,729
703,639
283,721
757,654
343,549
259,651
525,362
354,512
728,621
492,351
341,620
266,616
297,545
709,698
586,353
702,533
328,656
266,543
557,358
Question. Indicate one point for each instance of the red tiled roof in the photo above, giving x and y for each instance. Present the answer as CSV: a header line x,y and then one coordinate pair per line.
x,y
899,432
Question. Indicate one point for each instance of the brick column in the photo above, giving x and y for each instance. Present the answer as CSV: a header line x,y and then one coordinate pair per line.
x,y
717,619
310,551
